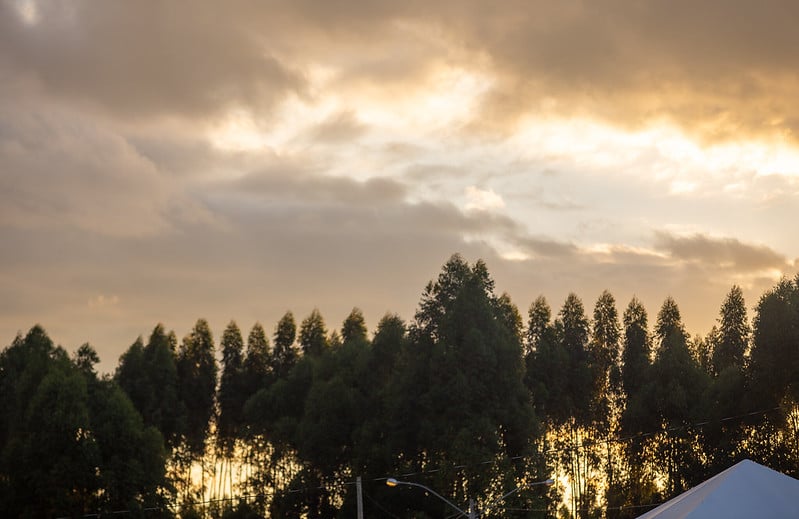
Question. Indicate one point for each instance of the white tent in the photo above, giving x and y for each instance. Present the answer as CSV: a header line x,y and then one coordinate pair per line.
x,y
744,490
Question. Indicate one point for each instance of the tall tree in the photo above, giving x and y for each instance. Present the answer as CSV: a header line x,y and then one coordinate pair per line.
x,y
473,404
603,352
259,362
675,391
148,374
285,354
313,334
574,337
71,444
354,327
197,370
733,336
546,364
774,376
638,487
231,387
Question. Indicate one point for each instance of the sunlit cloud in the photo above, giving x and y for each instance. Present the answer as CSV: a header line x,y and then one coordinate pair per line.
x,y
482,199
28,10
275,154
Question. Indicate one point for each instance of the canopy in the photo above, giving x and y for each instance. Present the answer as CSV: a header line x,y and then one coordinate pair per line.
x,y
744,490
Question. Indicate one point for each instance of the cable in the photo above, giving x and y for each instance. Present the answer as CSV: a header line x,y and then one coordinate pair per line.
x,y
379,506
579,446
592,443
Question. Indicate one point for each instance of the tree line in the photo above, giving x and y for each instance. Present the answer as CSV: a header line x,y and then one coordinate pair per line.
x,y
469,398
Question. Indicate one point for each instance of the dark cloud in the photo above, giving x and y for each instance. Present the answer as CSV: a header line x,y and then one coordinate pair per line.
x,y
61,171
546,247
720,253
722,69
146,58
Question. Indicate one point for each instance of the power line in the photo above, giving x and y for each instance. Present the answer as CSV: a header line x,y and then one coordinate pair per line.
x,y
592,443
582,445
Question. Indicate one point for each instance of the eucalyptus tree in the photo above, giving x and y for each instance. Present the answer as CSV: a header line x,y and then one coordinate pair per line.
x,y
675,391
258,365
463,372
774,376
576,403
733,333
603,353
197,380
725,347
70,444
313,334
354,327
197,376
284,355
148,374
231,388
637,417
546,364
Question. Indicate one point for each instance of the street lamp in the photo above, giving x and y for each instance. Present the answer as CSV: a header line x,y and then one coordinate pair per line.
x,y
472,513
393,483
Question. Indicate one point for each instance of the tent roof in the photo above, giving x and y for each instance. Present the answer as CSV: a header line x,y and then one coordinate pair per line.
x,y
742,491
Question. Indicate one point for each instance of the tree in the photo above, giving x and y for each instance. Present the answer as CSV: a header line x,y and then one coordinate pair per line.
x,y
675,391
733,331
232,388
313,334
354,327
774,376
638,487
603,352
471,403
574,330
197,371
546,364
285,354
148,374
259,363
71,444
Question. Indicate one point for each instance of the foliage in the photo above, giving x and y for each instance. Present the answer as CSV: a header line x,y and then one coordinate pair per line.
x,y
465,398
71,444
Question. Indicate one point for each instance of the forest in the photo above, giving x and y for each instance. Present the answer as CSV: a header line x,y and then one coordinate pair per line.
x,y
470,398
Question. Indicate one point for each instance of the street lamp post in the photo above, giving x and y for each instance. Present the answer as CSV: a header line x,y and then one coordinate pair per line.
x,y
393,483
472,513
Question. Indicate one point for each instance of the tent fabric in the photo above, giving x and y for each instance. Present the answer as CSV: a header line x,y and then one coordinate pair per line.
x,y
744,490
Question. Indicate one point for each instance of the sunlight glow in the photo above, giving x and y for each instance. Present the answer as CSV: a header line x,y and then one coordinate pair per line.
x,y
238,132
448,99
482,199
674,158
28,10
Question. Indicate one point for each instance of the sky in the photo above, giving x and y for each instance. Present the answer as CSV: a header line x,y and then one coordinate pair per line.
x,y
164,161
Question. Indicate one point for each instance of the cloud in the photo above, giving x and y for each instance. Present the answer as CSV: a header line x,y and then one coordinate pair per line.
x,y
720,70
145,58
60,170
721,253
341,128
483,199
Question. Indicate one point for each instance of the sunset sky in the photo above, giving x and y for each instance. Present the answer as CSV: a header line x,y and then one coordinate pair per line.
x,y
165,161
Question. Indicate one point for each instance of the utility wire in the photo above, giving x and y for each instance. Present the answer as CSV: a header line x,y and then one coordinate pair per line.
x,y
579,446
593,443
